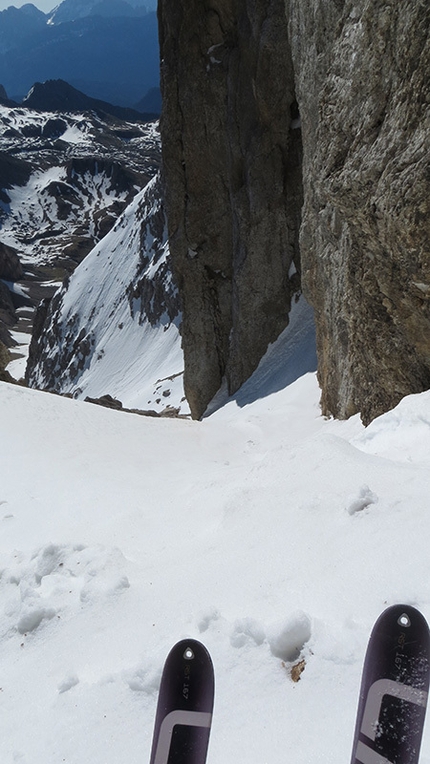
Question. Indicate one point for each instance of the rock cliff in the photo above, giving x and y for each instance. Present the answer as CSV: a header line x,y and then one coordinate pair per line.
x,y
10,270
232,157
363,88
271,105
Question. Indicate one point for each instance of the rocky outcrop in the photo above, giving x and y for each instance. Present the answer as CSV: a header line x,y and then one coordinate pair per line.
x,y
238,79
107,401
232,159
13,172
5,358
362,83
7,316
10,264
10,270
4,100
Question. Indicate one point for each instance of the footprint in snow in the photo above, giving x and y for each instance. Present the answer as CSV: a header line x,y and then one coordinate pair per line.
x,y
365,498
144,679
247,631
67,683
207,618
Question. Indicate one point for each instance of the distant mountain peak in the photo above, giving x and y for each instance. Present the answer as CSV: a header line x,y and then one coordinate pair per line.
x,y
108,50
71,10
31,10
4,99
58,95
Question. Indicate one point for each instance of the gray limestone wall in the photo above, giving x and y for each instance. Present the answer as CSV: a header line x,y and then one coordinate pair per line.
x,y
274,104
362,81
232,162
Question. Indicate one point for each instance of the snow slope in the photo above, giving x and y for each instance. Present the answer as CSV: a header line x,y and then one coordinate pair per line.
x,y
265,531
114,327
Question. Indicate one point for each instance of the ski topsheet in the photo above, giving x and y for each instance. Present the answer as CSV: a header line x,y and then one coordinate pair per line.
x,y
185,702
394,689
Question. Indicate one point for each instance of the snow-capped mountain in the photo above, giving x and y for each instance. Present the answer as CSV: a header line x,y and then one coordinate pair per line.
x,y
58,95
66,177
82,169
113,328
64,180
71,10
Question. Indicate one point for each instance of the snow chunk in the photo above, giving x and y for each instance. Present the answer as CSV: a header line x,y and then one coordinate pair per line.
x,y
245,631
33,617
402,434
57,579
287,638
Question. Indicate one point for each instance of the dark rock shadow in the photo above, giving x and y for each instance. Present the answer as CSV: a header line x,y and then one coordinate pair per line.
x,y
290,357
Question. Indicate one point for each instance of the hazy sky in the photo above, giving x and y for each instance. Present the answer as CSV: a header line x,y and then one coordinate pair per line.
x,y
43,5
49,5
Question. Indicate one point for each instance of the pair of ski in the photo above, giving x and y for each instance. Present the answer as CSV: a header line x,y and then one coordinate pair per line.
x,y
391,709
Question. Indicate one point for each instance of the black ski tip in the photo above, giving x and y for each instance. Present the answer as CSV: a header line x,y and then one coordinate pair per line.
x,y
185,703
405,616
394,689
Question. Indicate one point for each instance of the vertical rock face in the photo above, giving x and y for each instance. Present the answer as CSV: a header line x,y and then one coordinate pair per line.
x,y
232,161
236,74
363,87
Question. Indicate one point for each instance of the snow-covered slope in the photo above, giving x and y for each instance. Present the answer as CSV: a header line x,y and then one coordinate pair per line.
x,y
265,531
64,180
114,327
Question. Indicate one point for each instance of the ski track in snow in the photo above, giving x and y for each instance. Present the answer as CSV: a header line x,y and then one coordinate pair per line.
x,y
270,534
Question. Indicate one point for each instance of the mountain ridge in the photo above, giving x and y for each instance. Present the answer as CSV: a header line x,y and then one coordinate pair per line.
x,y
115,59
58,95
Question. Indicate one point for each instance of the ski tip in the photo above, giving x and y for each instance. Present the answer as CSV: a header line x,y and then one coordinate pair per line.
x,y
190,650
405,616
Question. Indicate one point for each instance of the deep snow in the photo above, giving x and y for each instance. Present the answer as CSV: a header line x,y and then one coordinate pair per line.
x,y
265,531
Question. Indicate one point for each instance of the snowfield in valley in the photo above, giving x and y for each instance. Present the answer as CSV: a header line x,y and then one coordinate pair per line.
x,y
270,534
